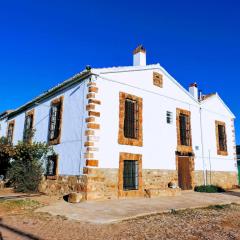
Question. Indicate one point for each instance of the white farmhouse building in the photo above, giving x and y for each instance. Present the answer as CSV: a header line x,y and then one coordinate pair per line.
x,y
127,131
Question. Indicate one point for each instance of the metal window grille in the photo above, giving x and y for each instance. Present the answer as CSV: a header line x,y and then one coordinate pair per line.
x,y
130,175
185,134
55,121
131,120
28,128
51,167
10,133
169,117
222,138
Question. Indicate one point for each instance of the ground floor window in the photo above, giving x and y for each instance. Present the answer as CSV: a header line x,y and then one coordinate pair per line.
x,y
130,175
51,166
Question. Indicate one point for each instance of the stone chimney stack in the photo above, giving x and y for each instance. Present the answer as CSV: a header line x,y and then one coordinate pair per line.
x,y
139,56
193,89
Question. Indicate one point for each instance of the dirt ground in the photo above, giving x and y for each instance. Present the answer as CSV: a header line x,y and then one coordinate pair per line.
x,y
19,221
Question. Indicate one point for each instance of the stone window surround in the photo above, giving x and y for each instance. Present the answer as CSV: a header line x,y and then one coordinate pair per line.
x,y
55,176
157,79
183,148
219,152
58,139
29,113
121,138
129,193
12,122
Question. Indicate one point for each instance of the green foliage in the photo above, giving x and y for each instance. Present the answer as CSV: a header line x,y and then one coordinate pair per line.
x,y
6,152
209,189
26,169
19,204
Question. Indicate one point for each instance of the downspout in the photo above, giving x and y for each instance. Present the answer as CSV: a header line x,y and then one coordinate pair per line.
x,y
203,159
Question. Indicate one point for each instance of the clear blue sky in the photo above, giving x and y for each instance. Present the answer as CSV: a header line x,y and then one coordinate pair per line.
x,y
44,42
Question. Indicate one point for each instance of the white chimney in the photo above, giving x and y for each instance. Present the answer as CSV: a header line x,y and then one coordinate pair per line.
x,y
193,89
139,56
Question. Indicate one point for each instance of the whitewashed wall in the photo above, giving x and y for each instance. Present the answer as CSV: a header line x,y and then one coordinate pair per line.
x,y
159,138
3,127
213,109
70,150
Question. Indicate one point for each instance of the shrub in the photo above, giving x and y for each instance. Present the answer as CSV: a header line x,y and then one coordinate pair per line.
x,y
26,169
209,189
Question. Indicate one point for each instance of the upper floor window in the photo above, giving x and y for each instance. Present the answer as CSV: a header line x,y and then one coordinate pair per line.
x,y
184,123
55,121
184,136
10,131
221,138
28,127
130,120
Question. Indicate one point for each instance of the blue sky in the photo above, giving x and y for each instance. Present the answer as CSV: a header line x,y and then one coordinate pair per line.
x,y
44,42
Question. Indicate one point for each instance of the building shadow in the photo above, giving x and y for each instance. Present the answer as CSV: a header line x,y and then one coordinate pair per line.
x,y
232,193
17,232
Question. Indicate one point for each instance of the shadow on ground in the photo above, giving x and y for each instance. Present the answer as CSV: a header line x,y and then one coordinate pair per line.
x,y
17,232
232,193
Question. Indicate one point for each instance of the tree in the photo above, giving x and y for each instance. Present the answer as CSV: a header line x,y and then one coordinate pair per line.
x,y
26,169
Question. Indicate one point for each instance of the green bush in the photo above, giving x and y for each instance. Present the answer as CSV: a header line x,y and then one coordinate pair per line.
x,y
209,189
26,170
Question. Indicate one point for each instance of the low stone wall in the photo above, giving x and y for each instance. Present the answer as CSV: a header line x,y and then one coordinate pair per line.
x,y
102,183
226,180
156,178
63,185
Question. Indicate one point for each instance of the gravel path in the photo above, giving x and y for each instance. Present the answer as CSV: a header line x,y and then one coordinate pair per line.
x,y
210,223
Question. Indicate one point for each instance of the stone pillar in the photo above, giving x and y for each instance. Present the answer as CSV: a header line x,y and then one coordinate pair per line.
x,y
95,181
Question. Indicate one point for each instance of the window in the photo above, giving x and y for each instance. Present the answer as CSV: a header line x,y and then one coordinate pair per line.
x,y
28,127
51,166
130,175
157,79
221,138
169,117
10,131
131,119
55,121
184,130
184,137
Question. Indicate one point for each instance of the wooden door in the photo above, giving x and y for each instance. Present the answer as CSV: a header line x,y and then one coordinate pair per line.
x,y
184,173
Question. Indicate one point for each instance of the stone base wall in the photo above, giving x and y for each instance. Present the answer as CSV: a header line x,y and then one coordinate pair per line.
x,y
63,185
102,183
156,178
226,180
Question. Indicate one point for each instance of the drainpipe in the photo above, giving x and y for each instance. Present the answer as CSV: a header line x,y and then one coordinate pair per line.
x,y
203,160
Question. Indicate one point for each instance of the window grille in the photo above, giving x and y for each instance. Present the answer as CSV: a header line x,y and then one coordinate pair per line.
x,y
169,117
28,126
185,134
222,138
130,175
55,121
51,168
10,133
131,119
